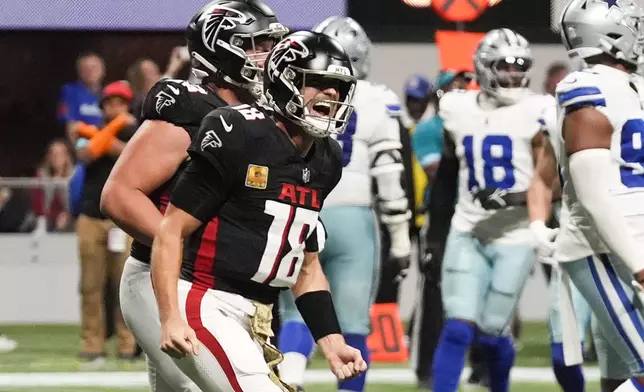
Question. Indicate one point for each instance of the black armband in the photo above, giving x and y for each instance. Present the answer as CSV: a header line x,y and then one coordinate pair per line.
x,y
316,308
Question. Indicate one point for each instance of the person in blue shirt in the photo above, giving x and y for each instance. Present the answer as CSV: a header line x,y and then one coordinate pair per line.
x,y
79,100
418,93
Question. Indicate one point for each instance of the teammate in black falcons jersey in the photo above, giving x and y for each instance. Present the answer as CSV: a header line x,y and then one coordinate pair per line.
x,y
228,42
247,210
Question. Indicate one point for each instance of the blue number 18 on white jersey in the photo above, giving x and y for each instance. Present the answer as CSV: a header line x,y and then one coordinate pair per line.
x,y
494,147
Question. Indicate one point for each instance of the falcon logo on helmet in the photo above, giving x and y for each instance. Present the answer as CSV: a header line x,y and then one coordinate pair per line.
x,y
229,40
302,64
288,50
220,18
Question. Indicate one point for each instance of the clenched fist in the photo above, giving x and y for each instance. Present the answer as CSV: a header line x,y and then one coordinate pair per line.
x,y
345,361
178,339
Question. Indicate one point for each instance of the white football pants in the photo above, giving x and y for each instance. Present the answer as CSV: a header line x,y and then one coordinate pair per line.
x,y
139,308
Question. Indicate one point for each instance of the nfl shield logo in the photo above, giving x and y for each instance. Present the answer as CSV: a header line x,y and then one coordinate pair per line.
x,y
306,175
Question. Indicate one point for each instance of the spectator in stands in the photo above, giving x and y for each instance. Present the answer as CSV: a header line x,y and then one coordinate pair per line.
x,y
51,202
418,93
16,215
102,246
427,139
555,73
144,74
79,101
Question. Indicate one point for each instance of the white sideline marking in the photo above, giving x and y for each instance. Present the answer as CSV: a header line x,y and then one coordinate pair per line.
x,y
140,379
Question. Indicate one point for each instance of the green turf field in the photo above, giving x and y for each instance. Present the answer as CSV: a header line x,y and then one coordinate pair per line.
x,y
55,349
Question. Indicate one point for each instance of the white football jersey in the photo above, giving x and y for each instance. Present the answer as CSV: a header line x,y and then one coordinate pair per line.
x,y
372,127
613,93
494,148
571,244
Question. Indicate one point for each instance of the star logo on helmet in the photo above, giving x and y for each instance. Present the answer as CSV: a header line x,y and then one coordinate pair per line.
x,y
611,3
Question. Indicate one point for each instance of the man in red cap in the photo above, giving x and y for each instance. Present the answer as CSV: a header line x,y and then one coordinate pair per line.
x,y
102,246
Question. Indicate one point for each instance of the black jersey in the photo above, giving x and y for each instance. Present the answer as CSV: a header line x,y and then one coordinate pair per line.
x,y
183,104
259,200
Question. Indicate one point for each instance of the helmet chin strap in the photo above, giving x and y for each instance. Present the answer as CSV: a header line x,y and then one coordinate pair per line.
x,y
197,76
203,74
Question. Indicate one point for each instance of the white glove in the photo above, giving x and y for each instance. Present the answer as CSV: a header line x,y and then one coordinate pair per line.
x,y
545,238
400,251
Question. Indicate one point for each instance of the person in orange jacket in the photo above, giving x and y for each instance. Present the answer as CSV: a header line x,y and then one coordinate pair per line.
x,y
102,246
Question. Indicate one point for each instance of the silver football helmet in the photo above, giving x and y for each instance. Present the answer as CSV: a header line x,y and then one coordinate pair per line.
x,y
502,64
353,39
612,27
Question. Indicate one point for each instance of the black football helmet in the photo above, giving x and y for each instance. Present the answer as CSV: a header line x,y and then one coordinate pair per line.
x,y
308,59
221,32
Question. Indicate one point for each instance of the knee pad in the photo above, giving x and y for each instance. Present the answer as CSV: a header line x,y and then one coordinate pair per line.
x,y
458,332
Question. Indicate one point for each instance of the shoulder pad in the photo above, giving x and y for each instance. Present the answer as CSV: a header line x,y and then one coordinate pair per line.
x,y
451,103
580,89
548,120
171,100
248,112
336,150
392,101
220,129
538,104
335,158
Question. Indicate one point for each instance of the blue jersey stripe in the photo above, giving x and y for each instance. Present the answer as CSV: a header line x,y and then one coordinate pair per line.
x,y
576,93
394,109
590,102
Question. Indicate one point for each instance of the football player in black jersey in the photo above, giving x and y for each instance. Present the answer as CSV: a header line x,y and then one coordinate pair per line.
x,y
228,42
246,208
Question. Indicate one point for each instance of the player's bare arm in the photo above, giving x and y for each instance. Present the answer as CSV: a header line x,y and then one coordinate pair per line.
x,y
312,288
311,277
177,338
587,134
125,195
540,191
539,196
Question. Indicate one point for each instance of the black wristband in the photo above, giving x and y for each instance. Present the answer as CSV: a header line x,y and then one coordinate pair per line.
x,y
316,308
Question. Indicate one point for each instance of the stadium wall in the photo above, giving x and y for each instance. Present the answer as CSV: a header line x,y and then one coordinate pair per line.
x,y
39,282
393,63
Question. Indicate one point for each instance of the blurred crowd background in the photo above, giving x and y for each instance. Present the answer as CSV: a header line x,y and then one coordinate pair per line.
x,y
57,58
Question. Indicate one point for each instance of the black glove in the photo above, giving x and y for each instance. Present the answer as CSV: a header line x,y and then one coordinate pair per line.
x,y
401,264
431,263
496,199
